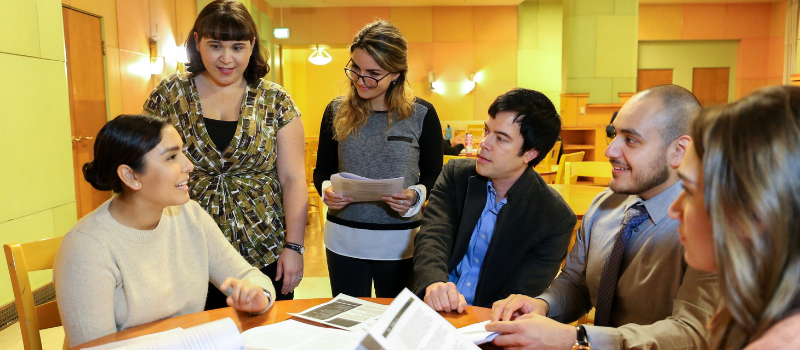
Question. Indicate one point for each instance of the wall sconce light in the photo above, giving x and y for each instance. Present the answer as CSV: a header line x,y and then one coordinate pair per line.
x,y
320,57
431,80
156,61
469,85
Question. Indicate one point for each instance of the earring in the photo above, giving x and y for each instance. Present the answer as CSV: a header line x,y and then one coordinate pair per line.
x,y
135,184
393,81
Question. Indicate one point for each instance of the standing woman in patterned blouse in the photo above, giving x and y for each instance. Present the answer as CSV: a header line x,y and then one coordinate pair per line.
x,y
379,130
245,138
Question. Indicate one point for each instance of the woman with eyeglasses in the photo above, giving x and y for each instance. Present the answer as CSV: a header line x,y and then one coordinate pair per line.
x,y
739,215
378,130
244,136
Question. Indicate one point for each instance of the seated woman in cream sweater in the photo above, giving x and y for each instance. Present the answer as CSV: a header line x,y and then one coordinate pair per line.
x,y
149,252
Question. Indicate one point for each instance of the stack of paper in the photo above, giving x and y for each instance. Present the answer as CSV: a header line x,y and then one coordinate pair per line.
x,y
362,189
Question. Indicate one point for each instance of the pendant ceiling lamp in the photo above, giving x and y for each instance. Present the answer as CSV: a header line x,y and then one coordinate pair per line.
x,y
320,57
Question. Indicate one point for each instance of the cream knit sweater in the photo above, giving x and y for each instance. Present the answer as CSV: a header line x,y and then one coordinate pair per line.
x,y
109,277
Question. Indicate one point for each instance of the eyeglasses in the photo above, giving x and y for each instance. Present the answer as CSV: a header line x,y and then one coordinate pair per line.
x,y
370,82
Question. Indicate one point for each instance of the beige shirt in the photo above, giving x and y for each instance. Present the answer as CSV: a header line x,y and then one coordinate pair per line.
x,y
660,302
109,277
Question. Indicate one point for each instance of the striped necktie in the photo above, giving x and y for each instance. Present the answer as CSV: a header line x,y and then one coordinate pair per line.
x,y
634,216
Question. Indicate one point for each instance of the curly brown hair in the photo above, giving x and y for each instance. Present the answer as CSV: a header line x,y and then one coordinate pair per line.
x,y
227,20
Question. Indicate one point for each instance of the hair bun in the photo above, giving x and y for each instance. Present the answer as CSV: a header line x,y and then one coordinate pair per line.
x,y
94,178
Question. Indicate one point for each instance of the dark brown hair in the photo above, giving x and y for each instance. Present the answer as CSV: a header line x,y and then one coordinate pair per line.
x,y
751,157
123,140
227,20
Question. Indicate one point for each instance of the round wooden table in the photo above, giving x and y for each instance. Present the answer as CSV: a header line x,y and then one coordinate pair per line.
x,y
277,313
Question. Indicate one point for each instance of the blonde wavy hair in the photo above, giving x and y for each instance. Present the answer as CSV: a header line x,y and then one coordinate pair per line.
x,y
751,161
387,46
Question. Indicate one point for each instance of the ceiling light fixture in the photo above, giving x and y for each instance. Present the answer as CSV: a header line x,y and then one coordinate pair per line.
x,y
320,57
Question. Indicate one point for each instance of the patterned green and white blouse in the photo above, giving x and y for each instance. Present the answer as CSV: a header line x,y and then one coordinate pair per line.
x,y
238,187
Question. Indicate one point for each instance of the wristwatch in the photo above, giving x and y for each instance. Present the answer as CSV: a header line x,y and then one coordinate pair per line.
x,y
582,343
417,197
296,247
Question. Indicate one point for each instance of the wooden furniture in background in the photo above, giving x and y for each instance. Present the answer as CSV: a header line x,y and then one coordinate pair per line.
x,y
447,158
794,80
315,205
549,164
647,78
87,98
23,258
587,169
567,157
278,312
710,85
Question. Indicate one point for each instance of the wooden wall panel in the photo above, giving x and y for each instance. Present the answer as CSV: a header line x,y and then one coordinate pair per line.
x,y
710,85
648,78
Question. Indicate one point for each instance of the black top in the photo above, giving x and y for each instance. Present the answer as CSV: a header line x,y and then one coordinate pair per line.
x,y
221,132
430,145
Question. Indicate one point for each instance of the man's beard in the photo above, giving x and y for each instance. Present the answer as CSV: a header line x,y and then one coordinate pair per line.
x,y
657,174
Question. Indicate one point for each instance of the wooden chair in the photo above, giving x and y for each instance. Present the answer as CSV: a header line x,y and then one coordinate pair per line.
x,y
588,169
572,157
314,199
552,158
23,258
447,158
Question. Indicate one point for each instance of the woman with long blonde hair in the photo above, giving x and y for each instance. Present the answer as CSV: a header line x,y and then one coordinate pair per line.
x,y
740,216
378,130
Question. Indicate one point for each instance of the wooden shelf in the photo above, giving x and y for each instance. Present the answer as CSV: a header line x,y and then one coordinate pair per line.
x,y
579,147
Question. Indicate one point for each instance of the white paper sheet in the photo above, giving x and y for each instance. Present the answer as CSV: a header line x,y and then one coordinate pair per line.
x,y
477,333
217,335
362,189
121,343
295,335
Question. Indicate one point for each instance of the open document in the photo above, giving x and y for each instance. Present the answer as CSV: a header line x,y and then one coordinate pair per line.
x,y
218,335
362,189
344,312
410,324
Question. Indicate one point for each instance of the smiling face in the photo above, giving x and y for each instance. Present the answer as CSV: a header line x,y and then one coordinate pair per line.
x,y
164,181
638,154
499,157
225,61
690,209
363,64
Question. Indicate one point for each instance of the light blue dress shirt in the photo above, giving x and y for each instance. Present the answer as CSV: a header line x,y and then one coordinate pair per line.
x,y
466,274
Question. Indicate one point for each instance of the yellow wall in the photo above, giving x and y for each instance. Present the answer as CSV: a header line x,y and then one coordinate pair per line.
x,y
759,29
453,42
37,194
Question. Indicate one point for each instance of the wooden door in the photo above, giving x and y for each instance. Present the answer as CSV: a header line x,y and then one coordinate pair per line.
x,y
648,78
87,98
710,85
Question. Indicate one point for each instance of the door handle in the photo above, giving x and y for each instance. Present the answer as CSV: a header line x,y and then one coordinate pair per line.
x,y
80,138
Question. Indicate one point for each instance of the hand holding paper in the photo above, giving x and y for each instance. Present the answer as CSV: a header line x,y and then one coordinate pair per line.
x,y
361,189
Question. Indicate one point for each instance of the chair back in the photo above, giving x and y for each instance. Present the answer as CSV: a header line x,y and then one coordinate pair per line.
x,y
447,158
572,157
23,258
588,169
311,159
552,157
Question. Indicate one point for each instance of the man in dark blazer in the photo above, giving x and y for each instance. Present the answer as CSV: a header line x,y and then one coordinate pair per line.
x,y
492,226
